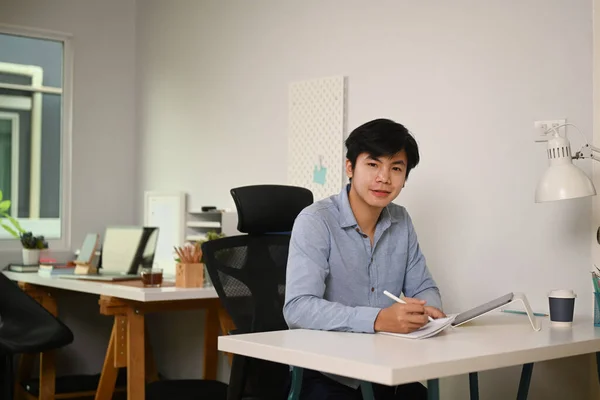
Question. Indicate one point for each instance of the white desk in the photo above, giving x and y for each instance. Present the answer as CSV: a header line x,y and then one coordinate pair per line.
x,y
115,289
493,341
127,302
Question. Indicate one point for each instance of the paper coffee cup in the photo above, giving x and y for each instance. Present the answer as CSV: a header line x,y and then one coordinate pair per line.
x,y
562,307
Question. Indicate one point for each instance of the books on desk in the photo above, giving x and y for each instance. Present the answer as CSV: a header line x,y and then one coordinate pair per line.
x,y
23,268
431,329
49,270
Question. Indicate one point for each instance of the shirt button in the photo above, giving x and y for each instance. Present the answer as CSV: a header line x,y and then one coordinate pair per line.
x,y
372,289
357,230
365,236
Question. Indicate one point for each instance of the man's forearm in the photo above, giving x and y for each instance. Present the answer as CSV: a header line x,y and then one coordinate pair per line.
x,y
311,312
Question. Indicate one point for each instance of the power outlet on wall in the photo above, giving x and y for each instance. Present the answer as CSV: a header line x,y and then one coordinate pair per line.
x,y
543,126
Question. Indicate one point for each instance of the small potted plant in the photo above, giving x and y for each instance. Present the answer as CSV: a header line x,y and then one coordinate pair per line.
x,y
32,245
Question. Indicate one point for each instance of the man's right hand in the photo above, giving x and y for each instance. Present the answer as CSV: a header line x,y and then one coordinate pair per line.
x,y
402,318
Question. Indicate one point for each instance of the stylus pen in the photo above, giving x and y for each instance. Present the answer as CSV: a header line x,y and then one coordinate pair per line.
x,y
399,300
524,313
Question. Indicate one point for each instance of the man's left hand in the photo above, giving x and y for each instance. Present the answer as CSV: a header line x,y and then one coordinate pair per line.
x,y
434,312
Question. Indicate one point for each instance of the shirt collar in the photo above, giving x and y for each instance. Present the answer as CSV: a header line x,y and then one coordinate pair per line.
x,y
347,216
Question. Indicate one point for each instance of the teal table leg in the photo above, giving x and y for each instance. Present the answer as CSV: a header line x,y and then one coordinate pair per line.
x,y
433,389
474,385
367,391
296,383
525,381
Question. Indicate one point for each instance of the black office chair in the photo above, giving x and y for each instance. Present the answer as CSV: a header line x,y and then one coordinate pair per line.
x,y
25,327
261,209
248,273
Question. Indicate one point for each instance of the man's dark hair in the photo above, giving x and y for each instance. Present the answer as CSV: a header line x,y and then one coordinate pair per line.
x,y
382,137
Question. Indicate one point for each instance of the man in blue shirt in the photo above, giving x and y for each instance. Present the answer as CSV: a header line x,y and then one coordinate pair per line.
x,y
347,249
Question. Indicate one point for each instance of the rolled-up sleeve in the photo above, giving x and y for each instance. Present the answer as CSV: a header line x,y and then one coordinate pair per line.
x,y
418,282
307,271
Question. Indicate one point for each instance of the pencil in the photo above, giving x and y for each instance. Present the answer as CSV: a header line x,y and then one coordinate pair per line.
x,y
595,282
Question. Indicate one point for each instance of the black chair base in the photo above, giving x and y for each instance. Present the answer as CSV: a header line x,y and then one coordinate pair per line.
x,y
186,389
68,384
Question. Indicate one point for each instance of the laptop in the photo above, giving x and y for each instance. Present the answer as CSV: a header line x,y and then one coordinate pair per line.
x,y
124,252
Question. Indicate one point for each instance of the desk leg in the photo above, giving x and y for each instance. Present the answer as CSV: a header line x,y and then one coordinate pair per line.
x,y
47,362
117,357
526,373
136,363
474,386
296,387
138,359
366,389
151,371
108,378
227,326
211,335
47,376
433,389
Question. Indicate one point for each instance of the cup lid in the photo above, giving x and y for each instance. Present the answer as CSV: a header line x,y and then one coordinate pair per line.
x,y
562,294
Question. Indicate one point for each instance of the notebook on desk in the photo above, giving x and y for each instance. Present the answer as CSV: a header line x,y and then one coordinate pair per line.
x,y
125,250
430,329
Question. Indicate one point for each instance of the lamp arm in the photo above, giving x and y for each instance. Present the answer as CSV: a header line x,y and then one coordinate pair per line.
x,y
587,151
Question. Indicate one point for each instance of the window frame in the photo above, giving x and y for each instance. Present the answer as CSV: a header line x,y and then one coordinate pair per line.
x,y
64,243
13,117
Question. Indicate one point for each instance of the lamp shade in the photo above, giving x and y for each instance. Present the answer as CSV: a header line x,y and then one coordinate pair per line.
x,y
562,180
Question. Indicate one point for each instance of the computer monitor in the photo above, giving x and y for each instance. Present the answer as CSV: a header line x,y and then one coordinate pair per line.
x,y
126,249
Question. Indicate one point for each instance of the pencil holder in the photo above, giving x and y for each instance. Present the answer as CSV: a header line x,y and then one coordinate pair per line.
x,y
597,309
189,275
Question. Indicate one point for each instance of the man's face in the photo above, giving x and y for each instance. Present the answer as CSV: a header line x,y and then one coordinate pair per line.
x,y
378,181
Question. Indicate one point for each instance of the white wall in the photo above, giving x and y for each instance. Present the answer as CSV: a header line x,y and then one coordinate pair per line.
x,y
103,129
467,78
596,135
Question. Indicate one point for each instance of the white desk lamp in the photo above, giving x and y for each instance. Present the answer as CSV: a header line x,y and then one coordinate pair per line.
x,y
563,180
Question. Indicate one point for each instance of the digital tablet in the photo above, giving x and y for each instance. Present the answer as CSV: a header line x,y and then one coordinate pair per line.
x,y
483,309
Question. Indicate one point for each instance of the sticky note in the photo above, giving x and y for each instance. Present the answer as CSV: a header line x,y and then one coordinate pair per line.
x,y
319,175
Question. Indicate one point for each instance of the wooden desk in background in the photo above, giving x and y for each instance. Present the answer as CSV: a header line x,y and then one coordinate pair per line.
x,y
127,302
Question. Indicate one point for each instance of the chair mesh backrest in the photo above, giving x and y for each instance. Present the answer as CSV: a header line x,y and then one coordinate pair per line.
x,y
248,273
26,326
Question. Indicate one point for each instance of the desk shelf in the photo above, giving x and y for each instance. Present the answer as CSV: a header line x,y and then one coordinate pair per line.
x,y
200,223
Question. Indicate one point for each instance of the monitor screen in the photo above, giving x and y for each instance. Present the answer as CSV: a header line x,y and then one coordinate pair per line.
x,y
128,248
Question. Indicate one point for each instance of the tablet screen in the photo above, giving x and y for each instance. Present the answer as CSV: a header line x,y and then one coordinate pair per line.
x,y
482,309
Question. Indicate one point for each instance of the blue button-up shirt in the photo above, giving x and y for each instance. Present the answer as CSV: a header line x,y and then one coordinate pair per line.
x,y
336,279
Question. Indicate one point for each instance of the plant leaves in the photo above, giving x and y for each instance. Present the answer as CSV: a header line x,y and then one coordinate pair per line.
x,y
10,230
15,223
